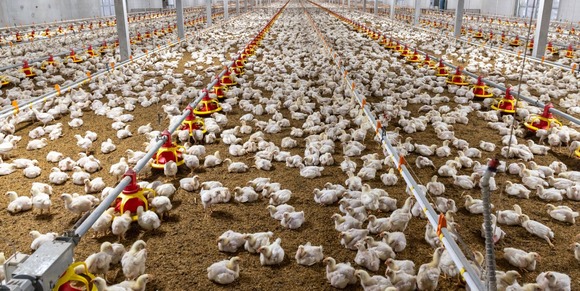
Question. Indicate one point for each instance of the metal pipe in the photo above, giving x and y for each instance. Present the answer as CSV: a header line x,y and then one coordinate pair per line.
x,y
105,204
458,258
10,111
531,101
491,283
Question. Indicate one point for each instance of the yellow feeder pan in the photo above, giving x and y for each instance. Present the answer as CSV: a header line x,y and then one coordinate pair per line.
x,y
442,70
91,52
27,70
414,58
71,281
49,62
390,44
577,153
405,52
457,78
478,34
207,106
220,90
427,62
4,81
73,57
132,197
550,48
506,105
570,52
543,121
193,122
169,151
516,41
480,89
227,79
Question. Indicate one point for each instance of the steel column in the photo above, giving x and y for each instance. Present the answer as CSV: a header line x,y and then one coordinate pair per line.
x,y
179,12
123,29
542,26
458,17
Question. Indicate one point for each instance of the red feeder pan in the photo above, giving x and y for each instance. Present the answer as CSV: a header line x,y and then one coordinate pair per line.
x,y
27,70
442,70
228,80
207,106
480,89
543,121
220,90
192,122
506,105
169,151
457,78
132,196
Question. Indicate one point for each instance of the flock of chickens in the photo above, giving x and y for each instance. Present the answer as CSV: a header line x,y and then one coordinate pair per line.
x,y
322,127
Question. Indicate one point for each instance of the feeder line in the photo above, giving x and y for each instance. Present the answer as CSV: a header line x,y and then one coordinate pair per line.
x,y
457,256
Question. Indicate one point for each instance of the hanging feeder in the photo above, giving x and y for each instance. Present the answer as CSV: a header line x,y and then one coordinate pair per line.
x,y
169,151
192,122
414,58
457,78
132,196
207,106
103,47
480,90
4,81
219,89
550,48
405,52
542,121
516,41
227,79
427,62
72,281
91,52
49,62
478,34
73,57
27,70
505,105
442,71
570,52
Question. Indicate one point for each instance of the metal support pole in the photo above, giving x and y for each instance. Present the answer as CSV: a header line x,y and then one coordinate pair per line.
x,y
392,9
417,12
237,6
376,7
489,251
365,5
542,26
123,29
458,17
226,12
208,12
179,12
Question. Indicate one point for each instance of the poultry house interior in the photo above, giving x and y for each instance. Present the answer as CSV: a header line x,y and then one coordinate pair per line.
x,y
261,145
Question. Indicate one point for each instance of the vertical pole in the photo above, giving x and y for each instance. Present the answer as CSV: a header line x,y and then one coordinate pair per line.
x,y
458,17
365,5
488,227
208,12
237,6
226,14
417,12
542,25
376,7
393,9
122,29
179,12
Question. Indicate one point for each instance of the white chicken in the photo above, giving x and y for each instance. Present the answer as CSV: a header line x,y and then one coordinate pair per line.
x,y
148,220
170,169
39,239
272,254
230,241
133,261
308,254
521,259
18,203
77,205
224,272
292,220
339,275
121,224
562,213
537,229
